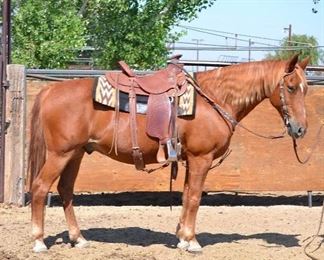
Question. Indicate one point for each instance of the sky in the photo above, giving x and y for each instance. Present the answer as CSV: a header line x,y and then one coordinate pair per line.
x,y
262,18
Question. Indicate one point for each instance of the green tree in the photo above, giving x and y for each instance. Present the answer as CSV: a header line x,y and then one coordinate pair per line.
x,y
307,46
136,30
47,33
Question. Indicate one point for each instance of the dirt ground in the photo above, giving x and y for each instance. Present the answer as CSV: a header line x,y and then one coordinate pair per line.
x,y
141,226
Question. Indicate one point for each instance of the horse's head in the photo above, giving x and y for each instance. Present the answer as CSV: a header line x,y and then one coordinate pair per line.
x,y
288,97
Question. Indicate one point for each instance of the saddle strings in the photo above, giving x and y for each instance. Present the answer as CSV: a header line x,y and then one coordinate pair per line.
x,y
114,142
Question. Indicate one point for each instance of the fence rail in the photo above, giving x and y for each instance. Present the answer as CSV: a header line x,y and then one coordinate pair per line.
x,y
58,74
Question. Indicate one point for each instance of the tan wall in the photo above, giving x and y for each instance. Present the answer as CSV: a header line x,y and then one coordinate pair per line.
x,y
255,164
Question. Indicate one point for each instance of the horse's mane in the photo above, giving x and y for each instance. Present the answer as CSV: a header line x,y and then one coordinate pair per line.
x,y
242,84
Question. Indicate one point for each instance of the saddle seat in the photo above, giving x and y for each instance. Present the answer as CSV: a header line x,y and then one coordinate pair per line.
x,y
159,82
162,88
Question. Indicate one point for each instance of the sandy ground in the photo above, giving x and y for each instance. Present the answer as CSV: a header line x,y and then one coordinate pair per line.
x,y
228,227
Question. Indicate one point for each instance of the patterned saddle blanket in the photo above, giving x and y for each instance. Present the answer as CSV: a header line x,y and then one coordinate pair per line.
x,y
107,95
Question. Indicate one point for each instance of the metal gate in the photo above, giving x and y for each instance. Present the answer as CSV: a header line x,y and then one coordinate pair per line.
x,y
4,60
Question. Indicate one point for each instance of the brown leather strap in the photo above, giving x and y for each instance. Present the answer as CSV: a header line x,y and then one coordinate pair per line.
x,y
126,68
137,154
114,143
174,115
116,122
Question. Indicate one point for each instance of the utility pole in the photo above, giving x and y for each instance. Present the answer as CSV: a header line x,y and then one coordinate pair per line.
x,y
250,44
4,61
197,53
289,34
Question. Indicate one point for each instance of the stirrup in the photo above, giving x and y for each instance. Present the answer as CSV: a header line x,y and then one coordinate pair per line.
x,y
172,151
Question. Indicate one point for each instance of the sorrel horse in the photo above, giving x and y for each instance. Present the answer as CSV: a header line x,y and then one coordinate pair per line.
x,y
65,119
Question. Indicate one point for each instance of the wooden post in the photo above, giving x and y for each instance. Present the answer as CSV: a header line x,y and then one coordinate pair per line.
x,y
15,157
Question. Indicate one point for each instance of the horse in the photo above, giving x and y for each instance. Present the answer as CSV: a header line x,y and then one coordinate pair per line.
x,y
64,119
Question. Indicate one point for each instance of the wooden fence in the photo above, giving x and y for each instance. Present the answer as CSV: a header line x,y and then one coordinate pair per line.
x,y
255,164
15,155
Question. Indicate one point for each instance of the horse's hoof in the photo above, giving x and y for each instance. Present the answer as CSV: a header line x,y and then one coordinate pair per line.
x,y
39,247
82,243
183,245
194,247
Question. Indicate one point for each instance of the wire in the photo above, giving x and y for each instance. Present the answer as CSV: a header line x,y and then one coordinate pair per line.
x,y
239,48
213,32
228,37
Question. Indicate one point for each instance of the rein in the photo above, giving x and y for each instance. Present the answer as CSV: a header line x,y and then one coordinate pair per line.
x,y
313,147
314,237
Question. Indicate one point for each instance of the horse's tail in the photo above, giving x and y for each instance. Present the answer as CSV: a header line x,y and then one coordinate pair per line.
x,y
37,146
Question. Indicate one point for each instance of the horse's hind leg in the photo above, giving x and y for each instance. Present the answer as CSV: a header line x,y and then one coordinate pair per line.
x,y
51,170
65,188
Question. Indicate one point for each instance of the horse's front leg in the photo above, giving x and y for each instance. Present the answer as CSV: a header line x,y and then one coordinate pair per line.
x,y
196,173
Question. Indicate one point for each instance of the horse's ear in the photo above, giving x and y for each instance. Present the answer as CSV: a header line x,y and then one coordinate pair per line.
x,y
303,64
291,63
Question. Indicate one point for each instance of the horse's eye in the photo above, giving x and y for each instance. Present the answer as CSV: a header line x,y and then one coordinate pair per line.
x,y
291,89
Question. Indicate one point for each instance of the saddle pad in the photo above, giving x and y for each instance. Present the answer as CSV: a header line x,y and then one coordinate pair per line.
x,y
105,94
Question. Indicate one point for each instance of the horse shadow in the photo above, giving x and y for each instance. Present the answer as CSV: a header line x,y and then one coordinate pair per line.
x,y
175,199
137,236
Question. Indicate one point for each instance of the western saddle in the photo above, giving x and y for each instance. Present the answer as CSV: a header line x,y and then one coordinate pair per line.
x,y
162,88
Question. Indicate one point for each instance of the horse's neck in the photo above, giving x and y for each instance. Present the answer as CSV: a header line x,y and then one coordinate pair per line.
x,y
239,89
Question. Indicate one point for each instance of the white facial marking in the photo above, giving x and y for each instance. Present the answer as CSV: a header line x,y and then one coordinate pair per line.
x,y
301,85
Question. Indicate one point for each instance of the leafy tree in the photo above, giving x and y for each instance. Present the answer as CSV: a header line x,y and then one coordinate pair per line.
x,y
307,47
47,33
136,30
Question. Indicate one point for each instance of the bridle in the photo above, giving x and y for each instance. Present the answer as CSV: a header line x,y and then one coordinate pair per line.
x,y
284,106
286,118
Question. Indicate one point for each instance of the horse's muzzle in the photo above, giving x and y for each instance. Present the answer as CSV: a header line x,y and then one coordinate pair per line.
x,y
295,130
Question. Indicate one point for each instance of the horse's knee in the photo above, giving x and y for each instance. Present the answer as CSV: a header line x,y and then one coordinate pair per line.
x,y
194,202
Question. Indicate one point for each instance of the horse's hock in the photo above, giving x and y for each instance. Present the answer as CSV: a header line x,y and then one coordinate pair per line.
x,y
255,164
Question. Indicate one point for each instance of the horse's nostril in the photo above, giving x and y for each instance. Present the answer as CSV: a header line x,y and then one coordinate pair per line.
x,y
301,131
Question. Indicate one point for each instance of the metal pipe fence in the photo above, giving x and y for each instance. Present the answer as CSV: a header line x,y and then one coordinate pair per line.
x,y
59,74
